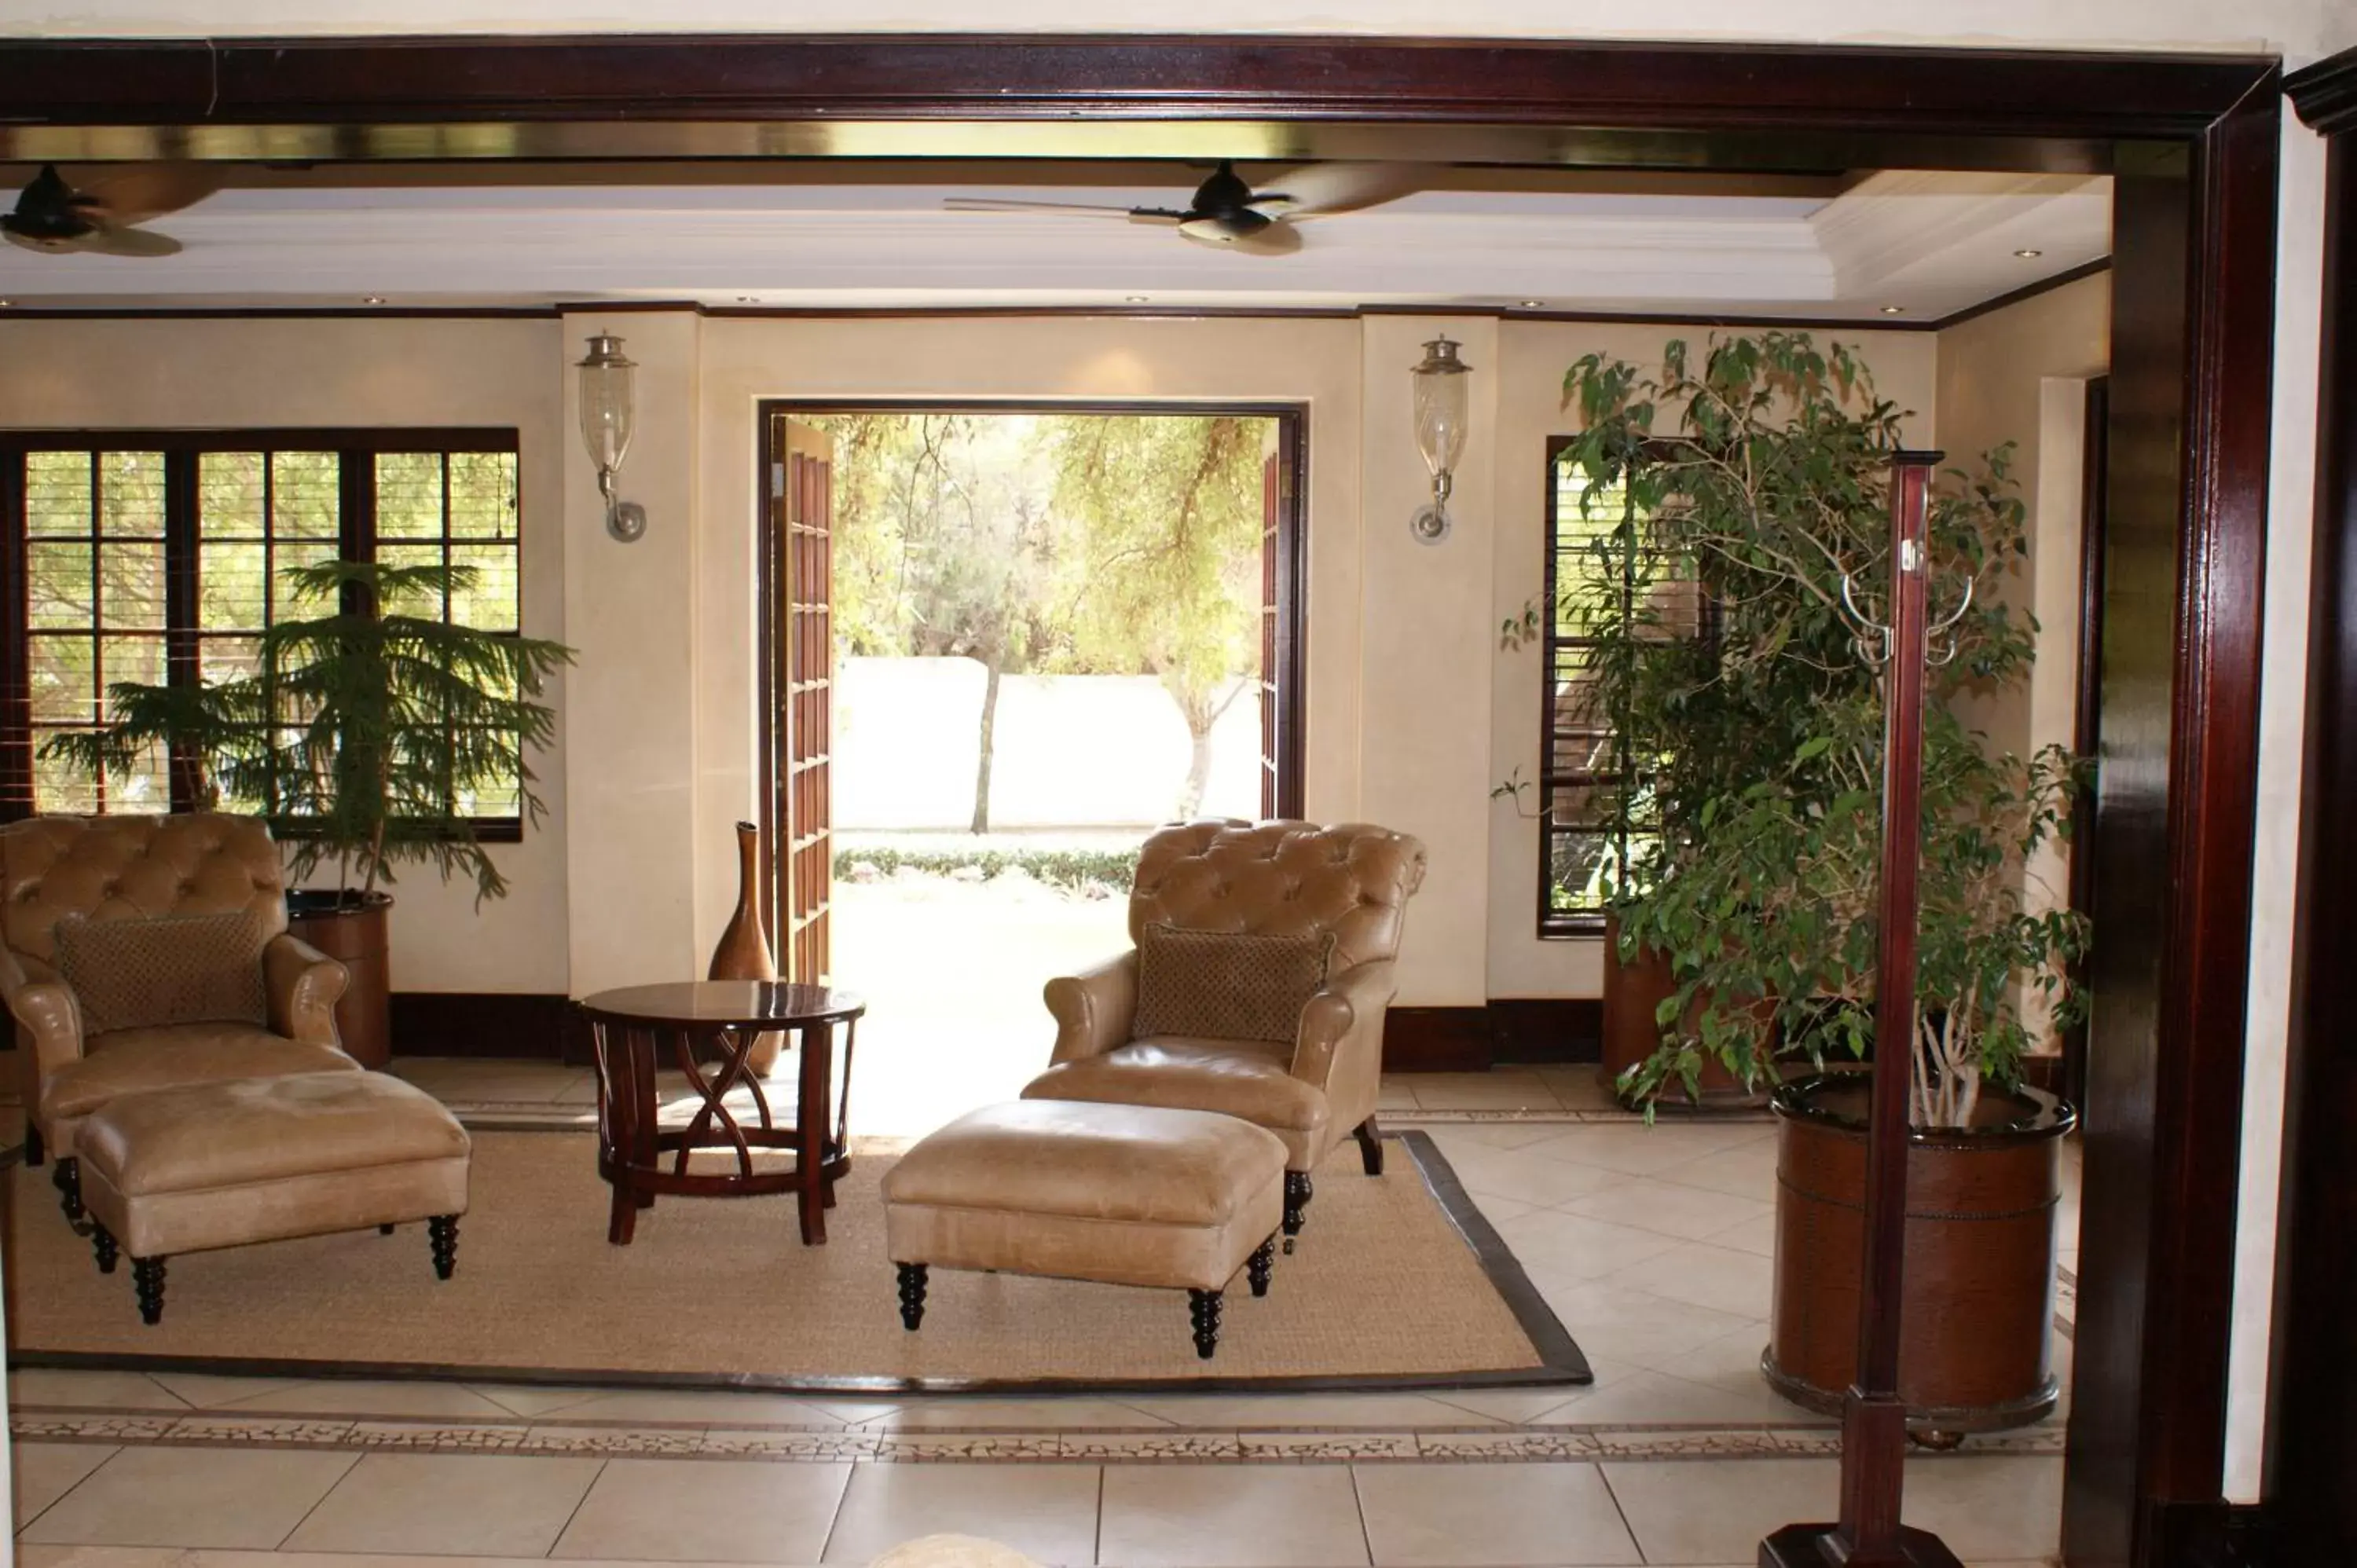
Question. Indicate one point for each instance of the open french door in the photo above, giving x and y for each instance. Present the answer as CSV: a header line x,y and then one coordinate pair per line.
x,y
1282,557
798,739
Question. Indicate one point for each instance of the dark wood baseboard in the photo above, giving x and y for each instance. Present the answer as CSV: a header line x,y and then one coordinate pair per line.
x,y
532,1026
1546,1029
1506,1030
526,1025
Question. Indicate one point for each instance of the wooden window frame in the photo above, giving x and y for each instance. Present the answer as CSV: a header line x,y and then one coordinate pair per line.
x,y
183,450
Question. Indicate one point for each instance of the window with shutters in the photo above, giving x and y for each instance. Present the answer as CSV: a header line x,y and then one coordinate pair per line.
x,y
1596,820
159,557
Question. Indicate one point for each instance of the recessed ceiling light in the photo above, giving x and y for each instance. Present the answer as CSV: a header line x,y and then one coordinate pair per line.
x,y
2030,256
371,299
1894,310
1532,304
7,304
1136,298
749,299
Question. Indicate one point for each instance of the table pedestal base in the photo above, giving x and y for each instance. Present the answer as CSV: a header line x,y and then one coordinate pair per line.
x,y
1822,1546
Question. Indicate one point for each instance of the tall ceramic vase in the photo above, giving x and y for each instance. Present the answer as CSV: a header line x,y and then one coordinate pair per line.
x,y
743,952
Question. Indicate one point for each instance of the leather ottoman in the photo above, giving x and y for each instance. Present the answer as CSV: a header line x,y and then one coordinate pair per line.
x,y
1128,1194
265,1159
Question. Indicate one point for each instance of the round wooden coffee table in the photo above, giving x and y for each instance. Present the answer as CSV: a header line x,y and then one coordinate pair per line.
x,y
636,1028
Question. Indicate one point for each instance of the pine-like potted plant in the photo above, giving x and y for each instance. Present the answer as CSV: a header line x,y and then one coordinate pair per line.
x,y
1758,479
370,737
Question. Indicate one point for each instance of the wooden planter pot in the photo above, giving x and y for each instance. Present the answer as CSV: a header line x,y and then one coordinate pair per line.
x,y
352,929
1633,994
1978,1307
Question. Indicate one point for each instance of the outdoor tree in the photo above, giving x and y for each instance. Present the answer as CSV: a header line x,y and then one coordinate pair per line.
x,y
1165,579
953,555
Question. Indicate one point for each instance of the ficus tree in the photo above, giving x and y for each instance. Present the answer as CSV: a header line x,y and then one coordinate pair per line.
x,y
1750,486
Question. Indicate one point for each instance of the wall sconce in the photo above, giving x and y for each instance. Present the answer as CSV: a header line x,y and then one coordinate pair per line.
x,y
605,428
1440,413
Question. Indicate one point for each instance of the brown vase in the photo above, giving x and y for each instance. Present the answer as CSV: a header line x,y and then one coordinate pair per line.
x,y
743,950
1634,990
1976,1311
352,929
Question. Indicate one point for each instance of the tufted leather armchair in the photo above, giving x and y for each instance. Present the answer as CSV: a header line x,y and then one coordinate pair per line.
x,y
1272,877
145,868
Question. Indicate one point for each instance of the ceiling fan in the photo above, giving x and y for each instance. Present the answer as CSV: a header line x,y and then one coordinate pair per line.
x,y
1227,213
104,218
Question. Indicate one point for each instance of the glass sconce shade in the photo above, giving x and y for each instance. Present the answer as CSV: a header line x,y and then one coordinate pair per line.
x,y
606,403
1441,406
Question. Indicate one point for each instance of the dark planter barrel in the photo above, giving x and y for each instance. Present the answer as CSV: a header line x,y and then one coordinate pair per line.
x,y
350,929
1633,994
1978,1311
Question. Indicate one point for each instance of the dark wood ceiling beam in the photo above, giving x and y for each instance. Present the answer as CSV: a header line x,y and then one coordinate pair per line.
x,y
352,81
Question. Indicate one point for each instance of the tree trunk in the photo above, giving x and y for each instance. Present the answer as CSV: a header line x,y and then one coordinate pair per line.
x,y
1199,769
981,770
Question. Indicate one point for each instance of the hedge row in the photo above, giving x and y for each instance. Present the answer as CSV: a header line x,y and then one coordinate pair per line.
x,y
1073,868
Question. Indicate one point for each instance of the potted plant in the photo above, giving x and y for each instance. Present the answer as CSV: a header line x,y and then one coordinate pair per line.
x,y
1760,478
368,737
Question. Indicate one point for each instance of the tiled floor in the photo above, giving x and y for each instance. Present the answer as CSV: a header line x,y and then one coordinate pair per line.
x,y
1652,1245
1991,1510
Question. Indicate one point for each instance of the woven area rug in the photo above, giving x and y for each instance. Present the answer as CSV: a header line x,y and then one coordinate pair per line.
x,y
1398,1282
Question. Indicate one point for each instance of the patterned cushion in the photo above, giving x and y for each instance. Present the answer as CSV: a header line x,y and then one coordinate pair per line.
x,y
179,969
1226,985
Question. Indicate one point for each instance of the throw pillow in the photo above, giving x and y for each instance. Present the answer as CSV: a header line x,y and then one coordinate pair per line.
x,y
1227,985
177,969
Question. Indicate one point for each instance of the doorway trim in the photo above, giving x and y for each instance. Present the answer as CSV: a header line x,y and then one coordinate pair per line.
x,y
2192,141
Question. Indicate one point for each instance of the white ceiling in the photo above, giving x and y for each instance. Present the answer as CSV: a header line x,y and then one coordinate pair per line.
x,y
1930,244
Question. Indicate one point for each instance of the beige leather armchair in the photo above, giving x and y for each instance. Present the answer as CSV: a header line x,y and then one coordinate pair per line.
x,y
145,867
1272,877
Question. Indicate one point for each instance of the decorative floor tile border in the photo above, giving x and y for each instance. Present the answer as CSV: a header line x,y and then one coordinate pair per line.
x,y
1527,1445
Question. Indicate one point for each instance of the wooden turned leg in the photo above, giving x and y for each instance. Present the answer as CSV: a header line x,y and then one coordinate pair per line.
x,y
1203,1306
1371,1147
442,1234
1261,1265
1296,1199
386,1229
912,1296
36,1149
622,1218
66,1178
101,1241
147,1278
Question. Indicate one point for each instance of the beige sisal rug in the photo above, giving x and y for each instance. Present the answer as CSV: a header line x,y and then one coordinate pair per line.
x,y
1397,1283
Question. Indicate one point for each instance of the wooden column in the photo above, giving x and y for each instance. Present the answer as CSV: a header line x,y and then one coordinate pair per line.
x,y
1874,1418
2312,1417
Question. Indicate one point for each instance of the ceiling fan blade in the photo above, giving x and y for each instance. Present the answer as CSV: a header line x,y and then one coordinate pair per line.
x,y
1275,240
134,193
129,242
986,204
1334,188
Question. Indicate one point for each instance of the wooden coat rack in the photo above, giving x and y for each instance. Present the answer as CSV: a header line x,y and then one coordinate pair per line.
x,y
1874,1417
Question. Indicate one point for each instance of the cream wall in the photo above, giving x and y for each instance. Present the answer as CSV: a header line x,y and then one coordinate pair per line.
x,y
2021,375
1533,359
1994,373
238,374
632,857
